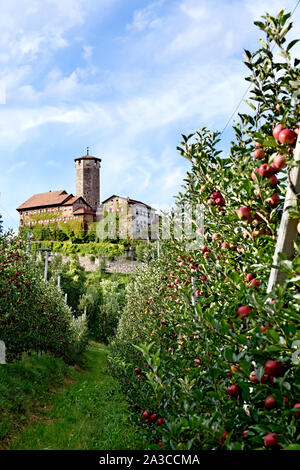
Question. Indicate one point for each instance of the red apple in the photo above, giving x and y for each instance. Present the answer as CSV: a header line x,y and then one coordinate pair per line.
x,y
243,311
204,249
253,175
286,136
270,441
160,421
215,236
277,130
254,283
137,370
279,161
160,443
264,170
249,277
233,390
275,368
273,179
270,402
203,278
223,437
244,213
277,107
145,415
253,378
259,154
216,194
297,415
274,199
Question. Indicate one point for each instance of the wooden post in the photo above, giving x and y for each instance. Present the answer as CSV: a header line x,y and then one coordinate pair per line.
x,y
287,233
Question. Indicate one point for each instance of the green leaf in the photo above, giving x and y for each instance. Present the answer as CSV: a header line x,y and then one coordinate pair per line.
x,y
250,104
291,44
292,447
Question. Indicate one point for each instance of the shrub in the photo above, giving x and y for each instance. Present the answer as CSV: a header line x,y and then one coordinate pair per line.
x,y
33,315
194,342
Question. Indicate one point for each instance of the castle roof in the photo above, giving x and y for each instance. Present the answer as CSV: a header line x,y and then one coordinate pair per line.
x,y
87,157
51,198
129,201
72,199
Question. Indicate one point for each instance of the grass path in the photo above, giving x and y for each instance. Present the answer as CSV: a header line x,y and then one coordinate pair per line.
x,y
87,413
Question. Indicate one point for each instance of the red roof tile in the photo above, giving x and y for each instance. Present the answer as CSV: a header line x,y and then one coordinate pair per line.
x,y
51,198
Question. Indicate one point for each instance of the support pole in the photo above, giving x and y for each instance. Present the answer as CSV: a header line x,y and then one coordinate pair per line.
x,y
46,266
158,248
28,243
287,233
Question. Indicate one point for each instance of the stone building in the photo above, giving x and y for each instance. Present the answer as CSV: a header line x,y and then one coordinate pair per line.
x,y
135,218
59,206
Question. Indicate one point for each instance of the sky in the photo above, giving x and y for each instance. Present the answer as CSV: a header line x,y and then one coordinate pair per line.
x,y
124,77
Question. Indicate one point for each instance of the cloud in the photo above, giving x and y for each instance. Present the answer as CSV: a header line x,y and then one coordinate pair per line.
x,y
128,88
87,52
15,167
145,17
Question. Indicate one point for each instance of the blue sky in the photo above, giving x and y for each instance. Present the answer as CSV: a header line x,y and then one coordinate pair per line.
x,y
124,77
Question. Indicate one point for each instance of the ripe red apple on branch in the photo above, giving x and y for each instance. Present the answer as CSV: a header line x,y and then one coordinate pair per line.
x,y
278,163
274,200
275,368
276,131
270,403
270,440
244,213
234,390
244,310
286,136
259,154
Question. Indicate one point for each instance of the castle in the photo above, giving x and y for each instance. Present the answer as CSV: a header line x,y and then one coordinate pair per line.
x,y
85,207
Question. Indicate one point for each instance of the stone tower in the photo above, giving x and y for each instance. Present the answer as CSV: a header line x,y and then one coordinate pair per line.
x,y
88,179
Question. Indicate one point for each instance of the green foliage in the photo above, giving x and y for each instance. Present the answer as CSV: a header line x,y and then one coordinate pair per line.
x,y
99,249
145,252
73,277
22,384
103,300
33,315
88,413
181,342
